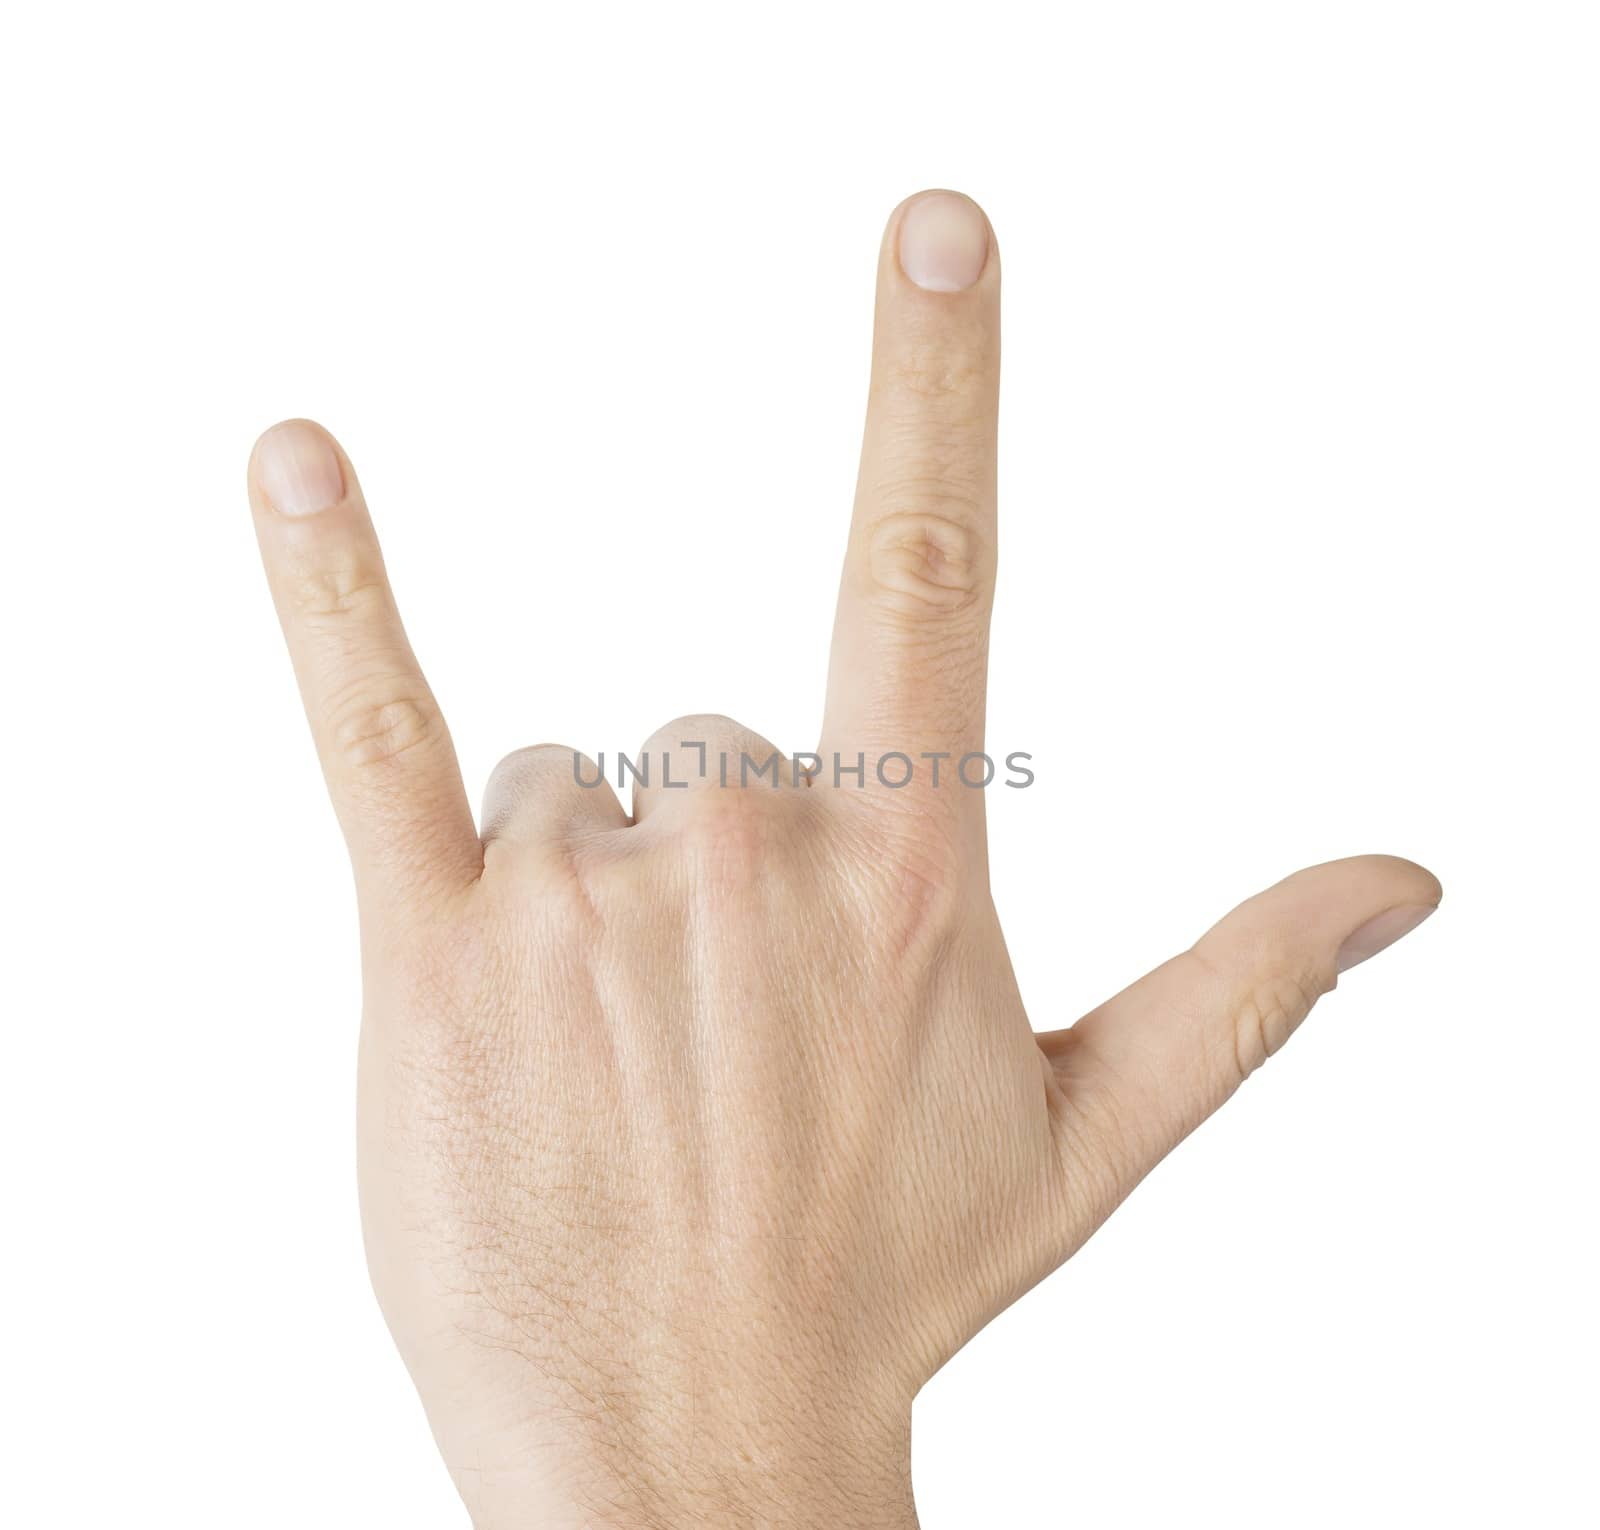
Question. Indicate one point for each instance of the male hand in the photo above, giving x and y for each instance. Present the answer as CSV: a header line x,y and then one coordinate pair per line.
x,y
693,1142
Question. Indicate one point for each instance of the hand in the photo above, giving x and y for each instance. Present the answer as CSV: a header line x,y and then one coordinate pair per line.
x,y
692,1144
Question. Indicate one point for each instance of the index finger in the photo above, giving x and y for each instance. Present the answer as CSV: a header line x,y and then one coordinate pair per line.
x,y
910,642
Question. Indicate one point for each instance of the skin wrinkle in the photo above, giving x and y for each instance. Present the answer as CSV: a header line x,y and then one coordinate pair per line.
x,y
691,1145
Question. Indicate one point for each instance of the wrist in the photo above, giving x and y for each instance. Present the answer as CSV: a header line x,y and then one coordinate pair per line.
x,y
795,1476
728,1495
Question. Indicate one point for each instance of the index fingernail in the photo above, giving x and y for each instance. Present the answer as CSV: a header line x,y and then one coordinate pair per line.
x,y
944,242
1381,932
298,469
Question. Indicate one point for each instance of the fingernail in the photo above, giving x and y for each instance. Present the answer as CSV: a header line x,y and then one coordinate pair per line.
x,y
1377,934
944,242
298,469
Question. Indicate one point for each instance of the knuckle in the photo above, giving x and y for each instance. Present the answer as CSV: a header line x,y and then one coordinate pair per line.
x,y
935,369
338,593
369,731
708,748
532,762
1268,1015
929,559
524,776
698,727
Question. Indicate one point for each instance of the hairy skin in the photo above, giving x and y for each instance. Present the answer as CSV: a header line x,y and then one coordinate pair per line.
x,y
693,1142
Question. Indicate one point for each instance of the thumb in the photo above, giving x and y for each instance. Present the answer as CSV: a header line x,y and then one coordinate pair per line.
x,y
1139,1073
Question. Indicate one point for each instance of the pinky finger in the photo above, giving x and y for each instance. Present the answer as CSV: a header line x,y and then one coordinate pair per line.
x,y
387,756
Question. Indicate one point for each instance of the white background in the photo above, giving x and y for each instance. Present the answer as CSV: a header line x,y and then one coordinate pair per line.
x,y
1298,493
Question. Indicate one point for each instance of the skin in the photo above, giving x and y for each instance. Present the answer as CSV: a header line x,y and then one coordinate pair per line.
x,y
692,1143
